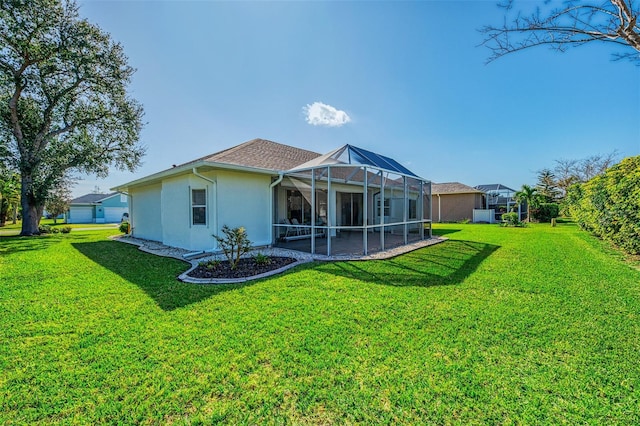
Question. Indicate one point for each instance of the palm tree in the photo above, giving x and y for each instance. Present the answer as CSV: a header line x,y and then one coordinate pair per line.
x,y
530,196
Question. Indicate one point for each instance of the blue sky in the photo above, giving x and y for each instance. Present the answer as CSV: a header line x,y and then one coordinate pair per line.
x,y
408,78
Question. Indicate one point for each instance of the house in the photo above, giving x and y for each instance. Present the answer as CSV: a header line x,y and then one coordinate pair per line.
x,y
501,199
347,201
454,201
98,208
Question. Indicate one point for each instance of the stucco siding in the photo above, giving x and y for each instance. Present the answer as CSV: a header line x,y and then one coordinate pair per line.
x,y
243,199
454,207
178,229
145,212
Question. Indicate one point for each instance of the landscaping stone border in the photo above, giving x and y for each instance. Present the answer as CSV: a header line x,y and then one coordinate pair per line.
x,y
159,249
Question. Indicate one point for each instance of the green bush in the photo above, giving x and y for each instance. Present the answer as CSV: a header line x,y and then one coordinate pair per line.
x,y
511,219
545,212
261,259
210,264
124,227
44,229
609,205
65,229
234,244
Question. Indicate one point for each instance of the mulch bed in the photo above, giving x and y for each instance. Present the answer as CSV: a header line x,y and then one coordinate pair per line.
x,y
245,268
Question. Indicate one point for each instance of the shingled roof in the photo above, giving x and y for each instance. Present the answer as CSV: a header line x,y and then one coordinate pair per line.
x,y
261,154
453,188
91,198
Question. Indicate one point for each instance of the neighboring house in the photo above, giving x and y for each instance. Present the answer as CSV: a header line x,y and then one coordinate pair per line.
x,y
501,199
454,201
284,196
98,208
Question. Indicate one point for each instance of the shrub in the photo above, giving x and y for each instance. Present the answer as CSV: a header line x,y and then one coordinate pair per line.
x,y
511,219
545,212
210,264
44,229
124,227
65,229
609,205
262,259
234,244
55,230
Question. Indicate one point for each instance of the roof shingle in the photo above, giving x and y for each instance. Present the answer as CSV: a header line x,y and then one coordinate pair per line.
x,y
453,188
262,154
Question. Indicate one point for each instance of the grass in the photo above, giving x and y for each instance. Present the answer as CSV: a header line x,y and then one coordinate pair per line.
x,y
496,325
13,229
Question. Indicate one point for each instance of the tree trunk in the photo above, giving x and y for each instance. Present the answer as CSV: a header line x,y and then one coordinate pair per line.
x,y
4,205
31,210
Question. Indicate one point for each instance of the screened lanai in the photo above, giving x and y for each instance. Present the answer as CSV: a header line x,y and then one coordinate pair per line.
x,y
350,202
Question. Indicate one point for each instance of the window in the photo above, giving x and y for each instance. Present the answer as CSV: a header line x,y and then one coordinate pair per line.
x,y
387,206
199,206
413,209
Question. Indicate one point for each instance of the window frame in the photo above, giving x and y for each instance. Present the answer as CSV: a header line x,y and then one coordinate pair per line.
x,y
193,206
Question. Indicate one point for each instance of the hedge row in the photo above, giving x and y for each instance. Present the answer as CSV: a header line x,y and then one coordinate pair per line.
x,y
609,205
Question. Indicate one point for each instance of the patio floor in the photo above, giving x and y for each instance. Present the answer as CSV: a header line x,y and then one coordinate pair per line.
x,y
349,243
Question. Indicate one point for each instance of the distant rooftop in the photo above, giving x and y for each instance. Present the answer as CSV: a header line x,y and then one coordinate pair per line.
x,y
494,187
453,188
91,198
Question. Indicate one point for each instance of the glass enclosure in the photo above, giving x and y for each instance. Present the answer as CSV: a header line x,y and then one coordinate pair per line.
x,y
337,208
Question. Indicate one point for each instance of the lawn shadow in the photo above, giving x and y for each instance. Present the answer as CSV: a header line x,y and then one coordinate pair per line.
x,y
155,275
447,263
444,231
16,243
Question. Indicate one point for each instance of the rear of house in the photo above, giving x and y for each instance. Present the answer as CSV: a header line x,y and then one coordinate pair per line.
x,y
283,195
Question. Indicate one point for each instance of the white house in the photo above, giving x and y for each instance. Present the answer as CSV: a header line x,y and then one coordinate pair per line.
x,y
349,200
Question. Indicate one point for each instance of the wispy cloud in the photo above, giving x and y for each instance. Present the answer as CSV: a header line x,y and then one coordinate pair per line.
x,y
319,114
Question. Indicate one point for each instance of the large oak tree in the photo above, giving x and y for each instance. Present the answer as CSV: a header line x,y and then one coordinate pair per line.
x,y
63,100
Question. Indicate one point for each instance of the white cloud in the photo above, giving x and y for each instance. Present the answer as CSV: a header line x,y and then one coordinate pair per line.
x,y
319,114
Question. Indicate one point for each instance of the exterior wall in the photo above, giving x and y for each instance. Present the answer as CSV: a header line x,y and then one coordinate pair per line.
x,y
243,199
455,207
162,212
178,229
145,212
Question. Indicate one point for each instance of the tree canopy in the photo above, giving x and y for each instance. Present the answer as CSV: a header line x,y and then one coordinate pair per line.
x,y
64,105
562,24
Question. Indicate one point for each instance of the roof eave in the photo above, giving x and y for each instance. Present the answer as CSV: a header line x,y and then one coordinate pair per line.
x,y
187,168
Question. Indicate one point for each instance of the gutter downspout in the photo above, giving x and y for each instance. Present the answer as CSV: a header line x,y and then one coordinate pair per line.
x,y
439,216
271,219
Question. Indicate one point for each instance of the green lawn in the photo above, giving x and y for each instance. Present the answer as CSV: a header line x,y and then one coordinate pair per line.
x,y
533,325
12,229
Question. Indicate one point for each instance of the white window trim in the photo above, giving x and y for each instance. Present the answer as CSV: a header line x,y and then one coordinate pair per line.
x,y
205,205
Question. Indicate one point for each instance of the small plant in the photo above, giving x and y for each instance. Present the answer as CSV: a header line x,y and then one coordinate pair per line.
x,y
261,259
65,229
55,230
511,219
124,227
44,229
234,244
465,221
209,264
